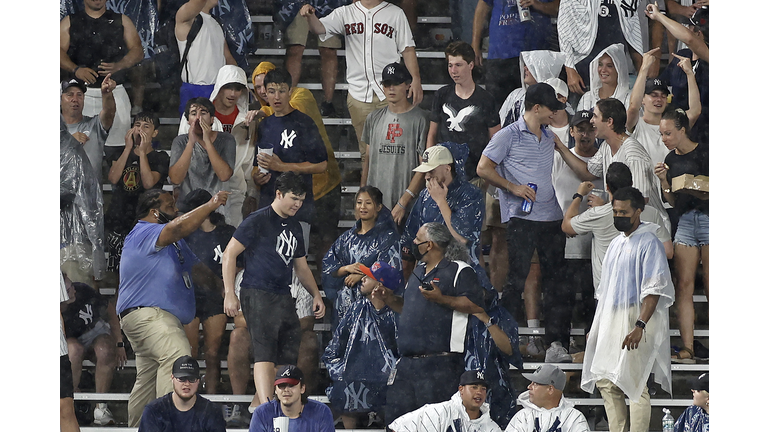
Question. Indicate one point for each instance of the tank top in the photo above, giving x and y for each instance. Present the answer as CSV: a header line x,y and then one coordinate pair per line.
x,y
96,40
206,55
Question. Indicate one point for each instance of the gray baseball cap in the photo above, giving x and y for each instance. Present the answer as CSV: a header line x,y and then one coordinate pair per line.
x,y
548,374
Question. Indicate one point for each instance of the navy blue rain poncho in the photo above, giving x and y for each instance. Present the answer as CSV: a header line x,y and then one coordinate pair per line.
x,y
360,358
379,244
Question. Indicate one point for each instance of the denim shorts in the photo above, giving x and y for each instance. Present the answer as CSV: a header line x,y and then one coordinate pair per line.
x,y
693,229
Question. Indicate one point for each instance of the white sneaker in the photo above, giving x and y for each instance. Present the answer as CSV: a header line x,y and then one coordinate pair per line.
x,y
102,416
535,346
226,411
556,353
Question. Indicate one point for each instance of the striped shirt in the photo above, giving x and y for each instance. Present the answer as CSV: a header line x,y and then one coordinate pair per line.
x,y
636,157
521,158
63,296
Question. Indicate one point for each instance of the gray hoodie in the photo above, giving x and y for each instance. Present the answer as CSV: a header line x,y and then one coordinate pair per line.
x,y
569,418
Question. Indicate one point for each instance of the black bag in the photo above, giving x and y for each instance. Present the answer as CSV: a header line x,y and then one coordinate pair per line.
x,y
168,61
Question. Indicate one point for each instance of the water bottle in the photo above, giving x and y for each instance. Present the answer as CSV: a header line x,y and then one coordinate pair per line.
x,y
279,38
525,13
527,206
667,422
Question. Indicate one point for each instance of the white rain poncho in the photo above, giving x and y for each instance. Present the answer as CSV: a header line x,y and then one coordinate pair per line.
x,y
634,267
622,92
543,65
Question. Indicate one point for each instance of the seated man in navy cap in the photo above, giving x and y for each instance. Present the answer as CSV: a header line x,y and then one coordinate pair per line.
x,y
543,406
291,407
182,409
695,418
466,410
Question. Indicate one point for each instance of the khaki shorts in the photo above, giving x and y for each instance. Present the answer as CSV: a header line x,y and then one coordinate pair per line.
x,y
358,112
296,34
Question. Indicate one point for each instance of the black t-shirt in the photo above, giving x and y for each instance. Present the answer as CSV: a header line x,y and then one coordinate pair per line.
x,y
695,162
271,244
82,314
161,415
465,121
121,215
209,246
426,327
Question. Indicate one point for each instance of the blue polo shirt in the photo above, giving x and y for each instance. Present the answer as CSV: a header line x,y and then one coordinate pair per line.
x,y
152,276
521,158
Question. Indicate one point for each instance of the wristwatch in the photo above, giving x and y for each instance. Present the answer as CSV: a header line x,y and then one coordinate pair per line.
x,y
120,345
577,195
491,321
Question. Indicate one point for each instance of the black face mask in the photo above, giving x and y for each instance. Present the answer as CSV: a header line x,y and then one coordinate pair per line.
x,y
415,251
163,217
622,223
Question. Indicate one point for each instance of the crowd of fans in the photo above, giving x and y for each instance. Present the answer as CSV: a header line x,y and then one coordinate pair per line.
x,y
603,201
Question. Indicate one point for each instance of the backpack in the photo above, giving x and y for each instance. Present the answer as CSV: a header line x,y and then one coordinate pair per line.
x,y
169,62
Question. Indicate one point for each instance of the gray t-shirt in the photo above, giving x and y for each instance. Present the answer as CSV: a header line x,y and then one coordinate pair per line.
x,y
97,136
396,141
200,174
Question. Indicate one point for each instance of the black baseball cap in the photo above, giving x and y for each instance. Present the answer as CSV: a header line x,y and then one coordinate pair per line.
x,y
701,383
193,200
73,82
186,367
289,374
473,377
395,73
653,84
543,94
581,117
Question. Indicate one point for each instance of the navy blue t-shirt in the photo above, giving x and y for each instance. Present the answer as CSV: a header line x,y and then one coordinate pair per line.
x,y
295,139
509,37
426,327
209,246
315,417
271,244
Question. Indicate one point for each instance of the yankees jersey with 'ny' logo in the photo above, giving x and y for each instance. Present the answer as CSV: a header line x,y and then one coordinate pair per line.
x,y
209,246
465,121
271,244
396,141
294,138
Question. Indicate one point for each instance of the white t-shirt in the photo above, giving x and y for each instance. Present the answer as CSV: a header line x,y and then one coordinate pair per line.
x,y
566,183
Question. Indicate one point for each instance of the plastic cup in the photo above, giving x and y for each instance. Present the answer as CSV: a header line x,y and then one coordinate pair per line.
x,y
280,424
268,151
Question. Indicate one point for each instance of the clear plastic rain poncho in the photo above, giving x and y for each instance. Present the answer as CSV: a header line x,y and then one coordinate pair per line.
x,y
81,210
634,267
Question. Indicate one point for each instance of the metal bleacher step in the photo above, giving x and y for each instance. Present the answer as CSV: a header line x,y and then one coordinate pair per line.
x,y
265,19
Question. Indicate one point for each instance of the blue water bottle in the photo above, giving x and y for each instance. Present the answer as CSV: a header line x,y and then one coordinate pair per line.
x,y
527,206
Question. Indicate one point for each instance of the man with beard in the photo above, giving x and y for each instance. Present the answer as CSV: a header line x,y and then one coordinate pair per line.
x,y
182,409
156,296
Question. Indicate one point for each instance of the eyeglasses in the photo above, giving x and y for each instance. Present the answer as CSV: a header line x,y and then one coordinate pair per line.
x,y
191,380
540,385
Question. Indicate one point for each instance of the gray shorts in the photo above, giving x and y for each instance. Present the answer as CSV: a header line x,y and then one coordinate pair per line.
x,y
101,327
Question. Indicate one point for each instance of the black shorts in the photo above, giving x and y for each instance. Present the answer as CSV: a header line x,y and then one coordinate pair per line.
x,y
67,388
328,213
207,303
273,325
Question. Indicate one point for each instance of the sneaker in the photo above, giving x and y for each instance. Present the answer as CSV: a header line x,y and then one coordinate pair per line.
x,y
535,346
556,353
573,348
238,419
226,411
102,416
135,110
327,109
700,351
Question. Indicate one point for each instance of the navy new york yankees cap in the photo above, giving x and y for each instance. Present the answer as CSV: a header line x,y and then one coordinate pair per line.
x,y
395,73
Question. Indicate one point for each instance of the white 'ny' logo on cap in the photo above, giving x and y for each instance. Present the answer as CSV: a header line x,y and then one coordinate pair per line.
x,y
585,115
391,70
480,375
657,82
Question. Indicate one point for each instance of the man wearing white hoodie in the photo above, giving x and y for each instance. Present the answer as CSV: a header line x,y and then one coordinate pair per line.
x,y
466,411
544,407
230,98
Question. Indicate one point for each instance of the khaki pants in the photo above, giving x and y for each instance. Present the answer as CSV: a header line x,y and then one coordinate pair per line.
x,y
358,111
616,408
158,339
